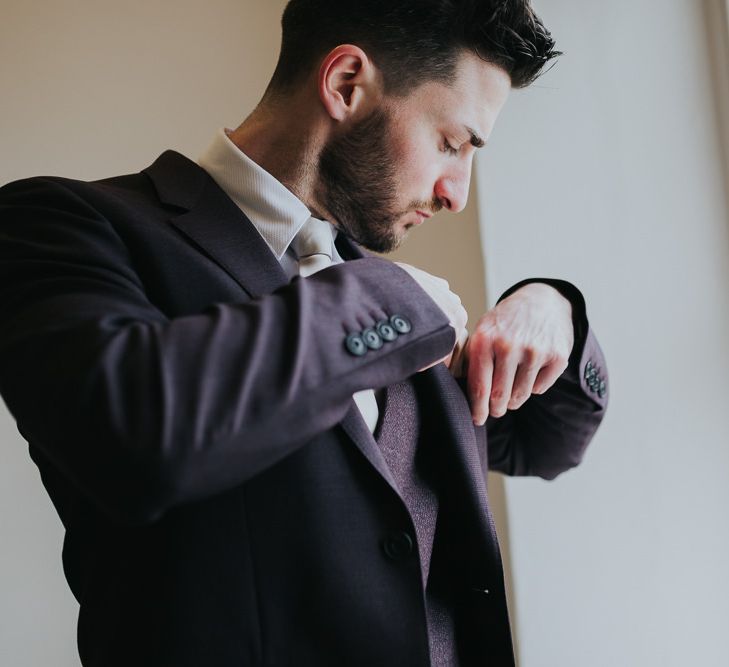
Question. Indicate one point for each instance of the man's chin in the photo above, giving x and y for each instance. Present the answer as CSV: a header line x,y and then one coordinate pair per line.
x,y
393,242
381,241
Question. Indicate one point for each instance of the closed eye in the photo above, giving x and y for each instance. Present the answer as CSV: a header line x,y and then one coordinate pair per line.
x,y
447,148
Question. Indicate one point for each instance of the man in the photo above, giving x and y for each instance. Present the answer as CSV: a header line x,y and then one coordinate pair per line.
x,y
242,419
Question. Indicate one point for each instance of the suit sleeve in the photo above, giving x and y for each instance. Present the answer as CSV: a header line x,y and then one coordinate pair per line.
x,y
141,412
550,432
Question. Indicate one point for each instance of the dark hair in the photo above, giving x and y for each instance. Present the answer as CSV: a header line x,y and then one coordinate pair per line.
x,y
414,41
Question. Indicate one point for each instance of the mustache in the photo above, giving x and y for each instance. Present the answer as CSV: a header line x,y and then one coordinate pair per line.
x,y
429,206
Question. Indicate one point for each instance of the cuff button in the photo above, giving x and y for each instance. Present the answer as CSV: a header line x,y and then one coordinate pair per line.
x,y
372,339
355,345
387,333
401,324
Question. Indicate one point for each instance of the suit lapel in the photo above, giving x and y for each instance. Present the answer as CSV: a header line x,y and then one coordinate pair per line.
x,y
354,426
215,224
211,220
450,425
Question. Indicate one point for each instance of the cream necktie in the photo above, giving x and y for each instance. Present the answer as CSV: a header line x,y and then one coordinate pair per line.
x,y
313,247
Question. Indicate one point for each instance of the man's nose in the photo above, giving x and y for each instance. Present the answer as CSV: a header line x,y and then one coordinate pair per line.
x,y
451,190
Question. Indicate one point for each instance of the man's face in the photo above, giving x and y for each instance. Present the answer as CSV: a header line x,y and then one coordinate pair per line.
x,y
411,157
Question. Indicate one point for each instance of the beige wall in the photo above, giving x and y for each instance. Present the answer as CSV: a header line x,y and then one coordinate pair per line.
x,y
98,88
95,88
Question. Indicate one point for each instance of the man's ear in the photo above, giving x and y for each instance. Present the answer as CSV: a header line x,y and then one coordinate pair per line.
x,y
348,82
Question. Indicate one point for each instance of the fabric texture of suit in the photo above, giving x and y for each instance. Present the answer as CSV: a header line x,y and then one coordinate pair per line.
x,y
191,414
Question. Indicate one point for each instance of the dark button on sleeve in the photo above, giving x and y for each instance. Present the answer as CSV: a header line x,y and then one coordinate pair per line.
x,y
386,331
401,324
372,339
355,345
398,546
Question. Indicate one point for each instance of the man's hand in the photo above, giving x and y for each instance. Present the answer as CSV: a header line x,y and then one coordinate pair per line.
x,y
450,303
519,348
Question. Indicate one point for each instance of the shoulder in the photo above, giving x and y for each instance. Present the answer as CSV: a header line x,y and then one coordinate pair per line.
x,y
56,208
170,179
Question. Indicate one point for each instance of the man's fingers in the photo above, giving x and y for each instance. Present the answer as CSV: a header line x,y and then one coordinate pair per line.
x,y
505,368
518,348
480,372
526,376
548,375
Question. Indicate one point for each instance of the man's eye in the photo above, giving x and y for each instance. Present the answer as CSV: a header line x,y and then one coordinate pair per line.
x,y
447,148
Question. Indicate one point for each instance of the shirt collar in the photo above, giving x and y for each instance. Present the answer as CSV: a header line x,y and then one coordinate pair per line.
x,y
273,209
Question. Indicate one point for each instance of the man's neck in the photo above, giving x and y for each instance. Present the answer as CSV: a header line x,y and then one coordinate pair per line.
x,y
286,145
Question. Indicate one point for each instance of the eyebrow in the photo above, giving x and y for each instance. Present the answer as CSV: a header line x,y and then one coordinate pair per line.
x,y
475,139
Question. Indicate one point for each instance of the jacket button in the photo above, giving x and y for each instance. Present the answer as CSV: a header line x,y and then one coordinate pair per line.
x,y
355,345
401,324
398,546
387,333
602,389
372,339
588,370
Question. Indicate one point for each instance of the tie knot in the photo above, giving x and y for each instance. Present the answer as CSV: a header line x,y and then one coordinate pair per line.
x,y
313,246
314,238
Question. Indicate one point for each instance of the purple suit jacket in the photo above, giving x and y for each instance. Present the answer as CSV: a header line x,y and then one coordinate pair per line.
x,y
190,412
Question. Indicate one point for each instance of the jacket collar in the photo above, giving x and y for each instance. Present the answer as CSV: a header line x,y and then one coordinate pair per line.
x,y
208,217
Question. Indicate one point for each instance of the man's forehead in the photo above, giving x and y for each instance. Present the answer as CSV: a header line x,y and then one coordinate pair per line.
x,y
481,82
477,93
469,109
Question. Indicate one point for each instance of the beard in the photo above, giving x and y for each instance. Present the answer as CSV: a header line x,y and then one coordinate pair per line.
x,y
357,184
